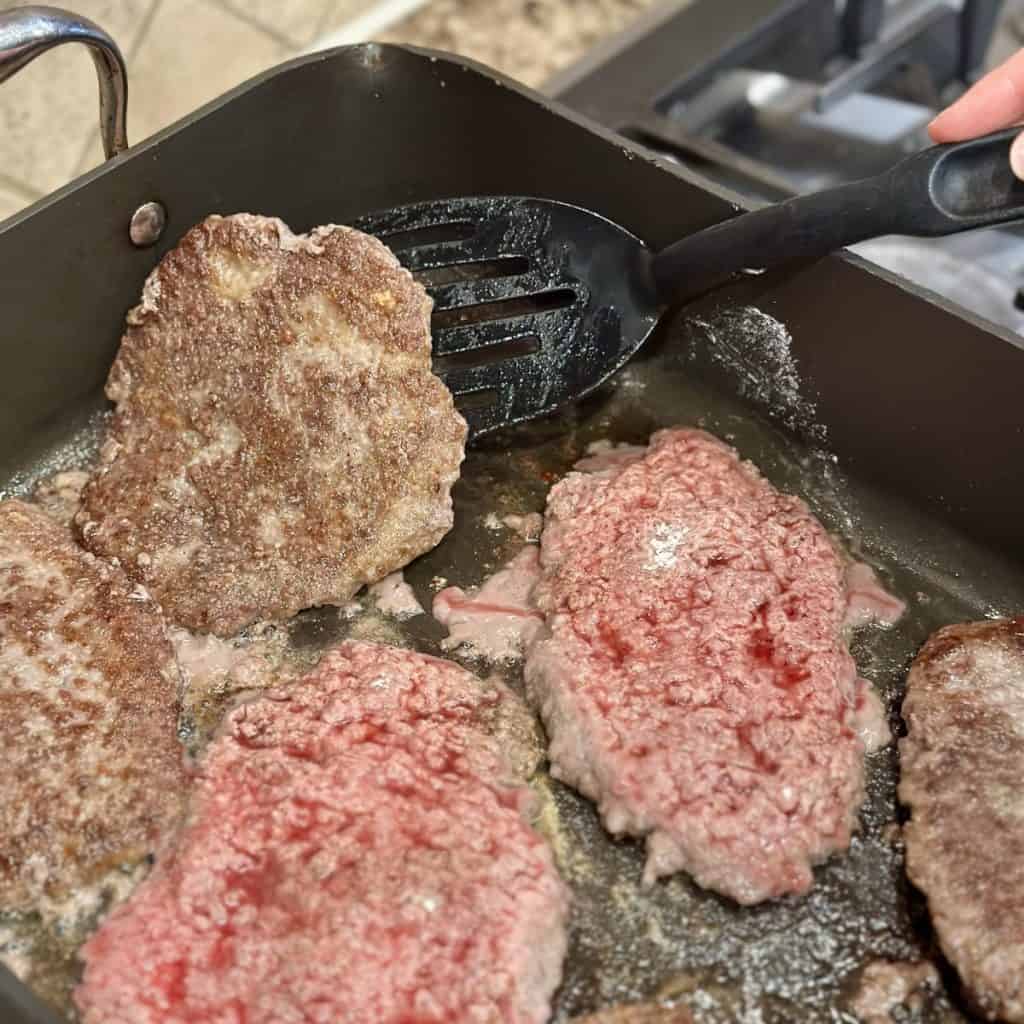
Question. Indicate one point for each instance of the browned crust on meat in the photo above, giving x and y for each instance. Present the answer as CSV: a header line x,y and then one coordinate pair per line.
x,y
60,495
963,780
279,438
88,693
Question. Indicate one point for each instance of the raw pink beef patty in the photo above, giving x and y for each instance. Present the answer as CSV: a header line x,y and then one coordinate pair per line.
x,y
695,679
356,852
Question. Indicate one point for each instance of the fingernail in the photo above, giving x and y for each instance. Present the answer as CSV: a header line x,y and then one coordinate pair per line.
x,y
1017,156
930,127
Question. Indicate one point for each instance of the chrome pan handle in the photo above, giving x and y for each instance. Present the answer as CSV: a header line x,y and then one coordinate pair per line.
x,y
26,32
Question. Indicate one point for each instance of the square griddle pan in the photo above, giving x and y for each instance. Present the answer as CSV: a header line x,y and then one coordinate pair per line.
x,y
899,418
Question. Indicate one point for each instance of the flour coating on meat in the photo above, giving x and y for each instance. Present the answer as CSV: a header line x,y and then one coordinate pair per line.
x,y
61,494
395,597
279,439
357,844
88,716
694,678
962,777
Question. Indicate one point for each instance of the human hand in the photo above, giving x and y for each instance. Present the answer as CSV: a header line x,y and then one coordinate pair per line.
x,y
993,102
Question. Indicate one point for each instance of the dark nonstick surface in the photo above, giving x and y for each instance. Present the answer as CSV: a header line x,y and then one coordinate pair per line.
x,y
787,960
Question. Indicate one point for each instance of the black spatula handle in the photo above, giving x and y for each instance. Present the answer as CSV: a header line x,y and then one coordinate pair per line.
x,y
938,191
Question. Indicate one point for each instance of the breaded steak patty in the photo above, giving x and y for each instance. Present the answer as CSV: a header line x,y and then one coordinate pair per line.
x,y
279,438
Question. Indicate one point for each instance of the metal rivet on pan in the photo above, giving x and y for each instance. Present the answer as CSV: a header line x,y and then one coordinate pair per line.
x,y
147,225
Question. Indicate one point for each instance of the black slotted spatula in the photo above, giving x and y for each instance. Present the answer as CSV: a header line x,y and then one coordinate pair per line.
x,y
537,302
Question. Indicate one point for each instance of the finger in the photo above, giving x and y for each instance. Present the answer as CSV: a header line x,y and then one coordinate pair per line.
x,y
1017,156
994,102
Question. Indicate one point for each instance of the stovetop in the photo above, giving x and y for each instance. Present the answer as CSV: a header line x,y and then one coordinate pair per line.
x,y
772,98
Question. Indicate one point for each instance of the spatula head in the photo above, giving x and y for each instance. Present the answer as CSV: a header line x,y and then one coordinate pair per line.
x,y
536,302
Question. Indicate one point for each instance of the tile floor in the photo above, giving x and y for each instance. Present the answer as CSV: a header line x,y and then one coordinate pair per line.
x,y
182,53
527,39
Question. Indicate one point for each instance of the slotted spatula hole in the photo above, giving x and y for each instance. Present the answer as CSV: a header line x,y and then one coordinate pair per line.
x,y
504,309
480,270
431,234
470,401
522,346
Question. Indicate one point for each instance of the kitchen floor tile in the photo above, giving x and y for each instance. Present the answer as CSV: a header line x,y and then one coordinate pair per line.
x,y
340,12
49,109
526,39
13,199
296,22
192,52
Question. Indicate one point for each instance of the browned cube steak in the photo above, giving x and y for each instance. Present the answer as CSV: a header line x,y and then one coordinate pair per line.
x,y
357,851
962,776
279,438
92,769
